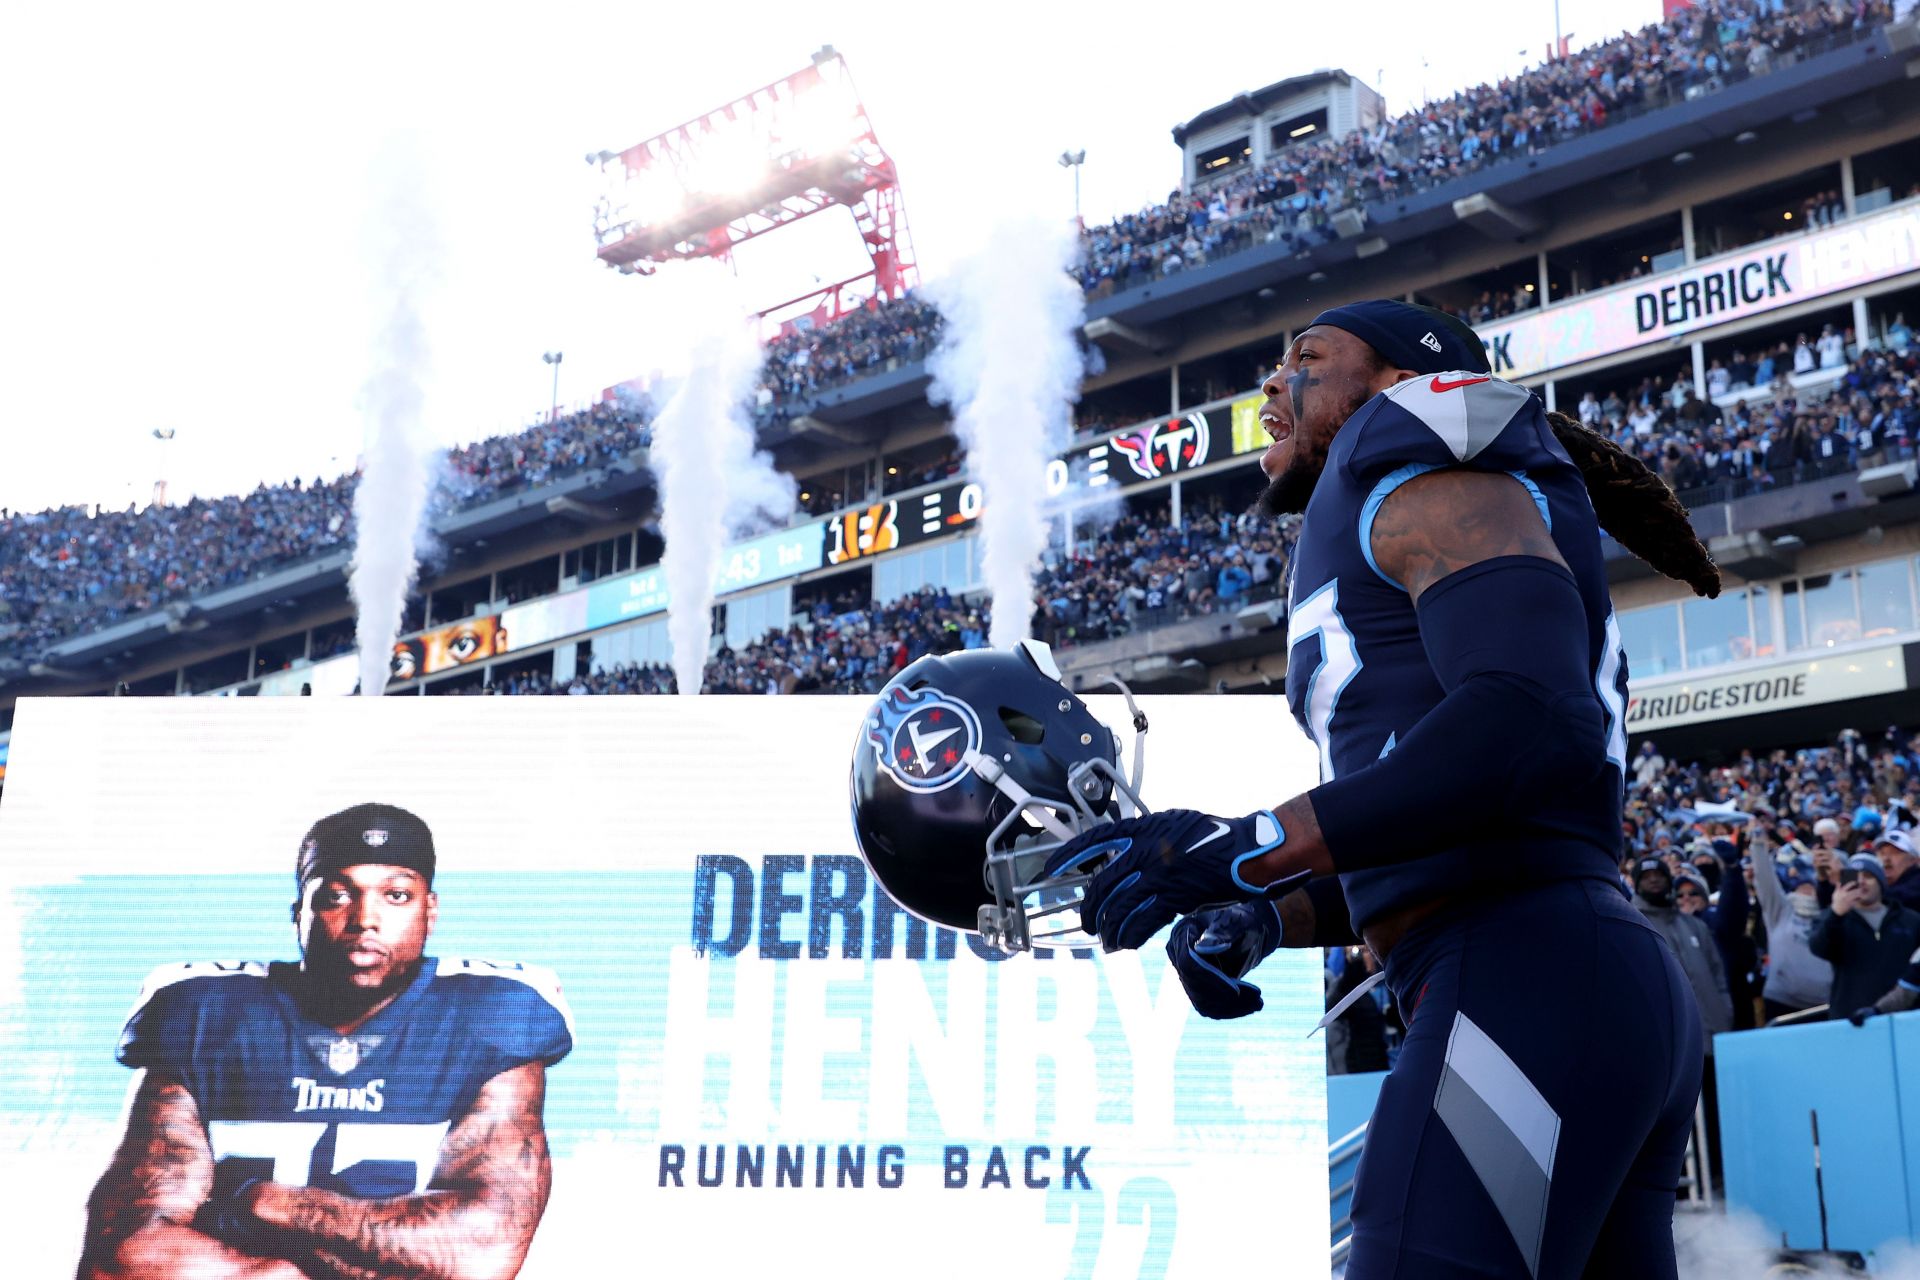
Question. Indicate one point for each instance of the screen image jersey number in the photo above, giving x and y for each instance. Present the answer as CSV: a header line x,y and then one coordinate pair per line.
x,y
1146,1205
369,1161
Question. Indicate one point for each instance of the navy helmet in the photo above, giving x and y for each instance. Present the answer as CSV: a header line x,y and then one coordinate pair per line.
x,y
969,769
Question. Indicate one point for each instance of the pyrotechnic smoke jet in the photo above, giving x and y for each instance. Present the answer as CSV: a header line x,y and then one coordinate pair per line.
x,y
397,466
1009,364
713,482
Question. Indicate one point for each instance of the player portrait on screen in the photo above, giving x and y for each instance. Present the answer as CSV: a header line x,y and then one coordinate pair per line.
x,y
368,1111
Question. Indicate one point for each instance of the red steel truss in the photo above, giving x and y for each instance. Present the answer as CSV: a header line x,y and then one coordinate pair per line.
x,y
800,146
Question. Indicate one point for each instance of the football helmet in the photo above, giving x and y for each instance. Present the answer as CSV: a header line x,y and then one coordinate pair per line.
x,y
969,770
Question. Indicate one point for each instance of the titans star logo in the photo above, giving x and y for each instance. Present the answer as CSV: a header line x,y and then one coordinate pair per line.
x,y
921,738
1162,448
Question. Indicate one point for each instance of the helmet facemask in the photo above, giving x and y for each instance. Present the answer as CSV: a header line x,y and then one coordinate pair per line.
x,y
1030,909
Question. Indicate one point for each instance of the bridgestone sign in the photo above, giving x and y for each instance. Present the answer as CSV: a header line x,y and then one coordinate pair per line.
x,y
1791,269
1666,702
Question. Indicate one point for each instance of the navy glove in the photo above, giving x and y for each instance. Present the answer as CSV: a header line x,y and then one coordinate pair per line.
x,y
1213,951
1859,1016
1164,865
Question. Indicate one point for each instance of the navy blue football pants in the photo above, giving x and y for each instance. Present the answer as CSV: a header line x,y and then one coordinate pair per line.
x,y
1536,1120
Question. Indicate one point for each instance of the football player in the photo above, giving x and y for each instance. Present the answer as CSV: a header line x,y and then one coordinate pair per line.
x,y
369,1111
1453,655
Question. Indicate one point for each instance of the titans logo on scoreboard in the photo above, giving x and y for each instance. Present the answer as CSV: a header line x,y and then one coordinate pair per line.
x,y
1162,448
922,737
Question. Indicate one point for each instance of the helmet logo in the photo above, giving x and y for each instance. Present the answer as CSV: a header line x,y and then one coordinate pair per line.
x,y
921,738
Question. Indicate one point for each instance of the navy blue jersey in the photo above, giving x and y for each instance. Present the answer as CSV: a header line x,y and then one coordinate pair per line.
x,y
1357,673
287,1098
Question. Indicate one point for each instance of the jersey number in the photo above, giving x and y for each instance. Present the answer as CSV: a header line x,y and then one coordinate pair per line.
x,y
1319,614
1610,682
290,1144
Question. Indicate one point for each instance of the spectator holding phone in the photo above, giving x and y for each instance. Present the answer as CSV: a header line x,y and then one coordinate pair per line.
x,y
1868,939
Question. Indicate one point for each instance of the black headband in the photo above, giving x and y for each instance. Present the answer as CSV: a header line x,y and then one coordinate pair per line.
x,y
383,834
1411,337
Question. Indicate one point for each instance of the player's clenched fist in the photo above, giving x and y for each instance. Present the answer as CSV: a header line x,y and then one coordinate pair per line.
x,y
1213,951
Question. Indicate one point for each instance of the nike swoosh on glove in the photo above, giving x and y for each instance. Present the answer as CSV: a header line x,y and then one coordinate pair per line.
x,y
1213,951
1164,865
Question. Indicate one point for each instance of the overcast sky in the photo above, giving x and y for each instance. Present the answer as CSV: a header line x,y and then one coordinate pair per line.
x,y
189,187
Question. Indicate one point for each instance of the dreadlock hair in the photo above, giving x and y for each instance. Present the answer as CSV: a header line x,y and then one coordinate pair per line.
x,y
1637,507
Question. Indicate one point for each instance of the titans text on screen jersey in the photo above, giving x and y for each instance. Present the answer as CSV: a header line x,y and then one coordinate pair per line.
x,y
1358,677
289,1099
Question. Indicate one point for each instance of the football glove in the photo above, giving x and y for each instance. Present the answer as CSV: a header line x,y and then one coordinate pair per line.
x,y
1163,865
1214,950
1859,1016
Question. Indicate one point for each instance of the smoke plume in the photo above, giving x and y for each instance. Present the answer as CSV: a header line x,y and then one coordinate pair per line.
x,y
1009,364
714,483
397,462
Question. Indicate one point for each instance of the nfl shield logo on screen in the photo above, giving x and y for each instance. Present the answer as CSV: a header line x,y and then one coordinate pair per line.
x,y
343,1055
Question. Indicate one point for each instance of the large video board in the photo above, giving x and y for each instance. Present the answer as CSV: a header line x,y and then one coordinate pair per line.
x,y
761,1059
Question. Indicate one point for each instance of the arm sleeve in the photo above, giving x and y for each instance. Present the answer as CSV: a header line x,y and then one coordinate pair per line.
x,y
1508,640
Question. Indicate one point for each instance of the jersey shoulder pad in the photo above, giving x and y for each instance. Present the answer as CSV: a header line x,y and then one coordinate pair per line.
x,y
1435,420
159,1027
522,1008
170,975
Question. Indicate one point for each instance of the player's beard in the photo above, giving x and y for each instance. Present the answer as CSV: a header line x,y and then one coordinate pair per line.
x,y
1288,493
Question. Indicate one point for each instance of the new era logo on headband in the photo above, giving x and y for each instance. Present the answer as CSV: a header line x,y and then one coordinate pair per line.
x,y
1431,342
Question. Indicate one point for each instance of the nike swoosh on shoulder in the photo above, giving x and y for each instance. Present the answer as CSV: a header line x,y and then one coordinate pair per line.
x,y
1219,829
1437,386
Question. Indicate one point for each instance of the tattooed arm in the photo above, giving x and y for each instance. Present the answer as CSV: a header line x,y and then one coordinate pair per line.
x,y
1442,522
140,1216
476,1221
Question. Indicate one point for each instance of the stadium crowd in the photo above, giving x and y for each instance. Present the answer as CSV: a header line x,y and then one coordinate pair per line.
x,y
71,570
1296,193
68,570
1294,196
1866,410
1141,573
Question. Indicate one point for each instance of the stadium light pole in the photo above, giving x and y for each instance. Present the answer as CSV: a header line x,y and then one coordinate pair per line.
x,y
554,358
161,435
1073,160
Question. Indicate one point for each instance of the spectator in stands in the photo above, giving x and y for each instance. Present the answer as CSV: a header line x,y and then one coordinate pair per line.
x,y
1796,978
1901,860
1727,917
1868,939
1692,942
